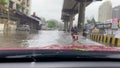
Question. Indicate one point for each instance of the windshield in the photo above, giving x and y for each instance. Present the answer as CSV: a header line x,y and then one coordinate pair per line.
x,y
87,25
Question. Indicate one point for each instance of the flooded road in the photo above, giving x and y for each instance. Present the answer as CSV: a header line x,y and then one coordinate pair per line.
x,y
22,39
45,38
34,39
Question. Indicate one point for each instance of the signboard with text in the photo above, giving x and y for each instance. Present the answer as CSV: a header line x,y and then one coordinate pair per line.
x,y
115,23
104,26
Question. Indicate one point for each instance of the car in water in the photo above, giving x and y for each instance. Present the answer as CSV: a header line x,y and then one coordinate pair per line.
x,y
23,28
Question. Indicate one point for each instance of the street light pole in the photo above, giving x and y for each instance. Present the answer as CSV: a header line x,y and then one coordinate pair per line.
x,y
8,15
116,16
116,11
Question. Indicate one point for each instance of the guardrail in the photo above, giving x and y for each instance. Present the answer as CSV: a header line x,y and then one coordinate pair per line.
x,y
104,39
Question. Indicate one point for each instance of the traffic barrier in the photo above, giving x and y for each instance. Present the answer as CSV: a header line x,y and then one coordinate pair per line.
x,y
101,38
107,40
94,37
118,43
90,36
98,38
105,37
113,42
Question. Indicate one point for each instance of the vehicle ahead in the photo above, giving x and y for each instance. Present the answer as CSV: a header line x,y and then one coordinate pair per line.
x,y
23,28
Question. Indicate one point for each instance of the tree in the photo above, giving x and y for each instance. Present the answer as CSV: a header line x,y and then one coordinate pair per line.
x,y
91,21
2,4
22,6
52,23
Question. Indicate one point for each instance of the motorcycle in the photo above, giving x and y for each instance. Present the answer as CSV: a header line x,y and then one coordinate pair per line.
x,y
75,37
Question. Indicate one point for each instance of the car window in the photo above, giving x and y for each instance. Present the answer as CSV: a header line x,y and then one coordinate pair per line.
x,y
78,25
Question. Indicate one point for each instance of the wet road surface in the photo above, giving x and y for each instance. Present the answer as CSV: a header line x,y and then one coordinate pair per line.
x,y
21,39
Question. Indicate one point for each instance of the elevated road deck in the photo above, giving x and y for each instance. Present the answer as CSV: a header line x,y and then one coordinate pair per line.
x,y
70,9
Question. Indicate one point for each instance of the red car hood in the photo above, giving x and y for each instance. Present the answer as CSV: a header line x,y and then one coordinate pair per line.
x,y
69,47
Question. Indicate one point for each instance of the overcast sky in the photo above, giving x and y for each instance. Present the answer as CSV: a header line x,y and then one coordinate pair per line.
x,y
51,9
93,12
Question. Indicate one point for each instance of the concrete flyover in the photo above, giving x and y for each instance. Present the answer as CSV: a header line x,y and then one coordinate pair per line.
x,y
70,9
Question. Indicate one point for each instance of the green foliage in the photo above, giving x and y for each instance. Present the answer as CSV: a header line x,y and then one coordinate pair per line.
x,y
3,2
20,6
52,23
91,21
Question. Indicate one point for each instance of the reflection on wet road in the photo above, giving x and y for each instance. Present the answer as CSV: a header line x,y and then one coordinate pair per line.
x,y
13,39
45,38
36,39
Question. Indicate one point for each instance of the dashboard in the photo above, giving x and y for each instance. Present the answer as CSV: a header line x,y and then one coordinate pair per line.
x,y
58,59
61,65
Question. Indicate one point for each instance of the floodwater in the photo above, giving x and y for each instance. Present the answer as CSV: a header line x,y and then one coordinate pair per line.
x,y
22,39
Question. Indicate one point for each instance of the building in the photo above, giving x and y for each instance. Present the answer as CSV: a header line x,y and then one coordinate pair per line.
x,y
23,6
16,12
20,5
116,12
38,19
105,11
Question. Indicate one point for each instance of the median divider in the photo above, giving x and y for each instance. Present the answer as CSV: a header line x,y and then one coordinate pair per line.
x,y
104,39
101,38
108,40
118,43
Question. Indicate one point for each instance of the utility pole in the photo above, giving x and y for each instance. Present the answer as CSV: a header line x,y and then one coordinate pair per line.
x,y
8,16
71,22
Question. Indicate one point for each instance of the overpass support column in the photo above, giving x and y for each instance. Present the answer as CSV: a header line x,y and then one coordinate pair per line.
x,y
71,22
81,17
66,26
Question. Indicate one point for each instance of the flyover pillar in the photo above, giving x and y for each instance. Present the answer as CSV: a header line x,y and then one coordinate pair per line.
x,y
71,22
66,26
81,17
